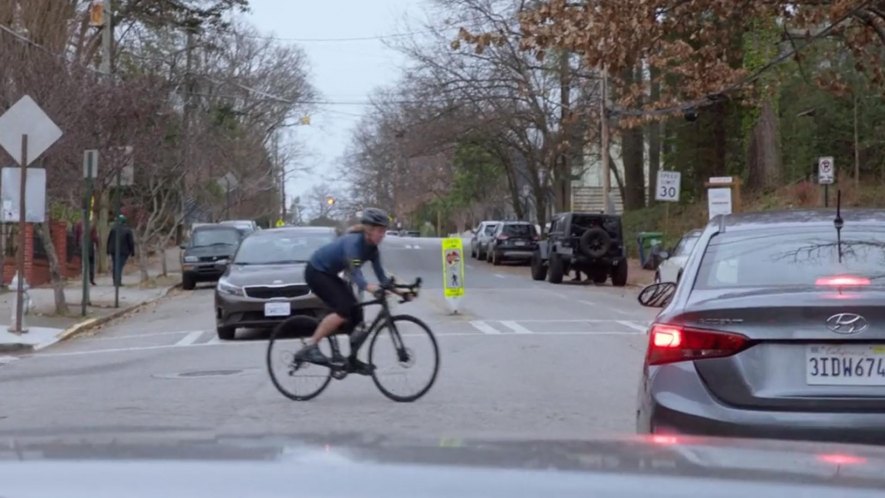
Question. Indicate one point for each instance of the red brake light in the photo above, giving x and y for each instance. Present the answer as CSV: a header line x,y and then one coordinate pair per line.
x,y
843,281
503,237
841,459
668,344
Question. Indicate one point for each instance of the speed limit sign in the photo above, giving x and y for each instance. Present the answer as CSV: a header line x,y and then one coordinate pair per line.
x,y
668,186
826,174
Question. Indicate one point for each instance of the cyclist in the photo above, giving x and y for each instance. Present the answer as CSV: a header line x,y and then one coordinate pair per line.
x,y
348,252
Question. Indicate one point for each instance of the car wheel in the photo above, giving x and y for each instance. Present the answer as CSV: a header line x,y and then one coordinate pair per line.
x,y
619,274
595,242
539,271
496,258
226,333
557,269
188,282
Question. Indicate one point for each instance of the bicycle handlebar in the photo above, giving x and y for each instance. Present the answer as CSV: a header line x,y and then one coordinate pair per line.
x,y
392,286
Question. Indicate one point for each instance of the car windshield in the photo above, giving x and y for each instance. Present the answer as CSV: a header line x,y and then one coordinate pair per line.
x,y
287,248
792,258
684,247
215,237
518,230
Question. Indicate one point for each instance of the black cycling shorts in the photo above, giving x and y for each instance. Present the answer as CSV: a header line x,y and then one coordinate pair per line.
x,y
335,292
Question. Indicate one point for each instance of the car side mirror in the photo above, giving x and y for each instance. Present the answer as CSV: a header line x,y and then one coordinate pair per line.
x,y
657,295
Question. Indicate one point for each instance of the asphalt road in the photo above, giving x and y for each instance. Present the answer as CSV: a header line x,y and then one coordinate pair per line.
x,y
521,359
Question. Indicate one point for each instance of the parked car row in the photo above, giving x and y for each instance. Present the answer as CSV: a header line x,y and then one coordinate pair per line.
x,y
499,241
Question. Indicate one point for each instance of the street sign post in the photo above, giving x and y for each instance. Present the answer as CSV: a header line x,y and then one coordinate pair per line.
x,y
668,186
826,176
719,201
25,133
90,172
453,271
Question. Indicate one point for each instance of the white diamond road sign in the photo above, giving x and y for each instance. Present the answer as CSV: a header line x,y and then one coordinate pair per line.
x,y
668,186
25,117
826,171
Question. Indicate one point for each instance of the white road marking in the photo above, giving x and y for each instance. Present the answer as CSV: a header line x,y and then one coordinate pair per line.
x,y
263,344
484,327
214,340
417,246
499,275
633,326
132,336
7,359
517,328
190,338
408,246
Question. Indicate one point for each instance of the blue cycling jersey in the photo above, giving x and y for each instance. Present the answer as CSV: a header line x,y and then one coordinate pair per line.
x,y
349,252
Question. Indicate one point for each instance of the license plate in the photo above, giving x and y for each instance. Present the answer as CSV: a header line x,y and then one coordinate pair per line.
x,y
845,365
520,242
277,309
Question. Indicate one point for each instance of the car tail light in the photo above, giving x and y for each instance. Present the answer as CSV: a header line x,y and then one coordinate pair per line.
x,y
841,459
669,343
503,237
842,281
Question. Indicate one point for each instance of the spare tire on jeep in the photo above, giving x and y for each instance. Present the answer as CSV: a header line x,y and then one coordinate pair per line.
x,y
595,242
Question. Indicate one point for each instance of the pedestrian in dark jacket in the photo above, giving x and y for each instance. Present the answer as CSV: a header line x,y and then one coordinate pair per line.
x,y
127,248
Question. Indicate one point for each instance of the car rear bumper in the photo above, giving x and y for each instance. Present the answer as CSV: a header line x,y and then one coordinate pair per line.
x,y
519,253
674,400
237,311
204,272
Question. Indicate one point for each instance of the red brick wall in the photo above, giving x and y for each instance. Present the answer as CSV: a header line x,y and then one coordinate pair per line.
x,y
37,271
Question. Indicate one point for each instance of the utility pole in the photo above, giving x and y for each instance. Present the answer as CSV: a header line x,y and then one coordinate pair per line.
x,y
186,120
276,155
564,178
107,38
107,68
606,167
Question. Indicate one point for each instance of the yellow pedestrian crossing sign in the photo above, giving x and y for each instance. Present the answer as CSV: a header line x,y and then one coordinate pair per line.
x,y
280,223
453,267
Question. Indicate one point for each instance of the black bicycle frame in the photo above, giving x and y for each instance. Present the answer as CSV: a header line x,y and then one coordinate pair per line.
x,y
358,337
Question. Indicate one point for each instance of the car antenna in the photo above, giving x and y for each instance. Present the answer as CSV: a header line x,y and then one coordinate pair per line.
x,y
839,223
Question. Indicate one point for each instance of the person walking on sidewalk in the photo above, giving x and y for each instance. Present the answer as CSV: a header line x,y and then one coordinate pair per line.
x,y
127,248
93,246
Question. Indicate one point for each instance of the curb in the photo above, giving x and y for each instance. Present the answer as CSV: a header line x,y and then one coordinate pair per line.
x,y
86,325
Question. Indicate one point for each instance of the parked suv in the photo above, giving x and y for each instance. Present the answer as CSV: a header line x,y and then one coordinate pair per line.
x,y
206,255
592,244
482,235
513,240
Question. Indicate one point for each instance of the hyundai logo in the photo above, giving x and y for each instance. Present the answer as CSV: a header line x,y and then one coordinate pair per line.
x,y
847,323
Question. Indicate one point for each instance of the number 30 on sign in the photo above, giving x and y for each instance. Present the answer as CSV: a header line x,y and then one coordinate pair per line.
x,y
668,186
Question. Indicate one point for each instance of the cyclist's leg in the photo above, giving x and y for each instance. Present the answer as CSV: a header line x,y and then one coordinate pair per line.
x,y
336,295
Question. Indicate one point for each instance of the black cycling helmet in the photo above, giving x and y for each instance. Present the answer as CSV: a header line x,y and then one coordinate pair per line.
x,y
375,217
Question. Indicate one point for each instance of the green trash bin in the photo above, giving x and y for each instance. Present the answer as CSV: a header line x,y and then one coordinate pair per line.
x,y
647,242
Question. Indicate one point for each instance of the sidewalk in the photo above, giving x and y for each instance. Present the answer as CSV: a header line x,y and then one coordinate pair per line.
x,y
46,328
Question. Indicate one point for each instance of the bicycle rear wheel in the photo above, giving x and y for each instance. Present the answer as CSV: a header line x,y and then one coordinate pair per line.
x,y
299,381
407,348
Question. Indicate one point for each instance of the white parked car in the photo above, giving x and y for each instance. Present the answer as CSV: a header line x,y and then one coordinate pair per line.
x,y
482,235
670,270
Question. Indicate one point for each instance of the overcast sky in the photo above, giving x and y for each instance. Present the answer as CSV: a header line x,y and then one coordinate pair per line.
x,y
342,70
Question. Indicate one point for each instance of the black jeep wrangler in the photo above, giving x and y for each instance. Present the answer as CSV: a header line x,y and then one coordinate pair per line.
x,y
592,244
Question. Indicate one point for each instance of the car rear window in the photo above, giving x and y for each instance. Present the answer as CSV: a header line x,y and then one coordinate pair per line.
x,y
519,230
490,228
280,248
203,238
799,257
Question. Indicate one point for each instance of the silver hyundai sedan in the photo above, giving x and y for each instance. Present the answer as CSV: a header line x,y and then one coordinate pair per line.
x,y
777,330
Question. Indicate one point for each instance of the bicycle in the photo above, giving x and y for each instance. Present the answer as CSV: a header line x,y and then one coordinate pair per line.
x,y
338,367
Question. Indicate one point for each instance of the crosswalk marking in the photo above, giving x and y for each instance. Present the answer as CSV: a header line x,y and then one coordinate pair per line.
x,y
484,327
519,329
190,338
632,325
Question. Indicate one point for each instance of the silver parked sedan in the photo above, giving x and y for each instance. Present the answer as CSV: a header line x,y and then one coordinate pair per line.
x,y
777,330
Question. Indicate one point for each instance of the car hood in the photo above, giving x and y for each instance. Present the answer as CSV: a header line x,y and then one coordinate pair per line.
x,y
313,465
242,275
218,250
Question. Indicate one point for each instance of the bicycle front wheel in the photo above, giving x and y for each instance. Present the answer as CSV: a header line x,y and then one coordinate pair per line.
x,y
406,358
299,381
